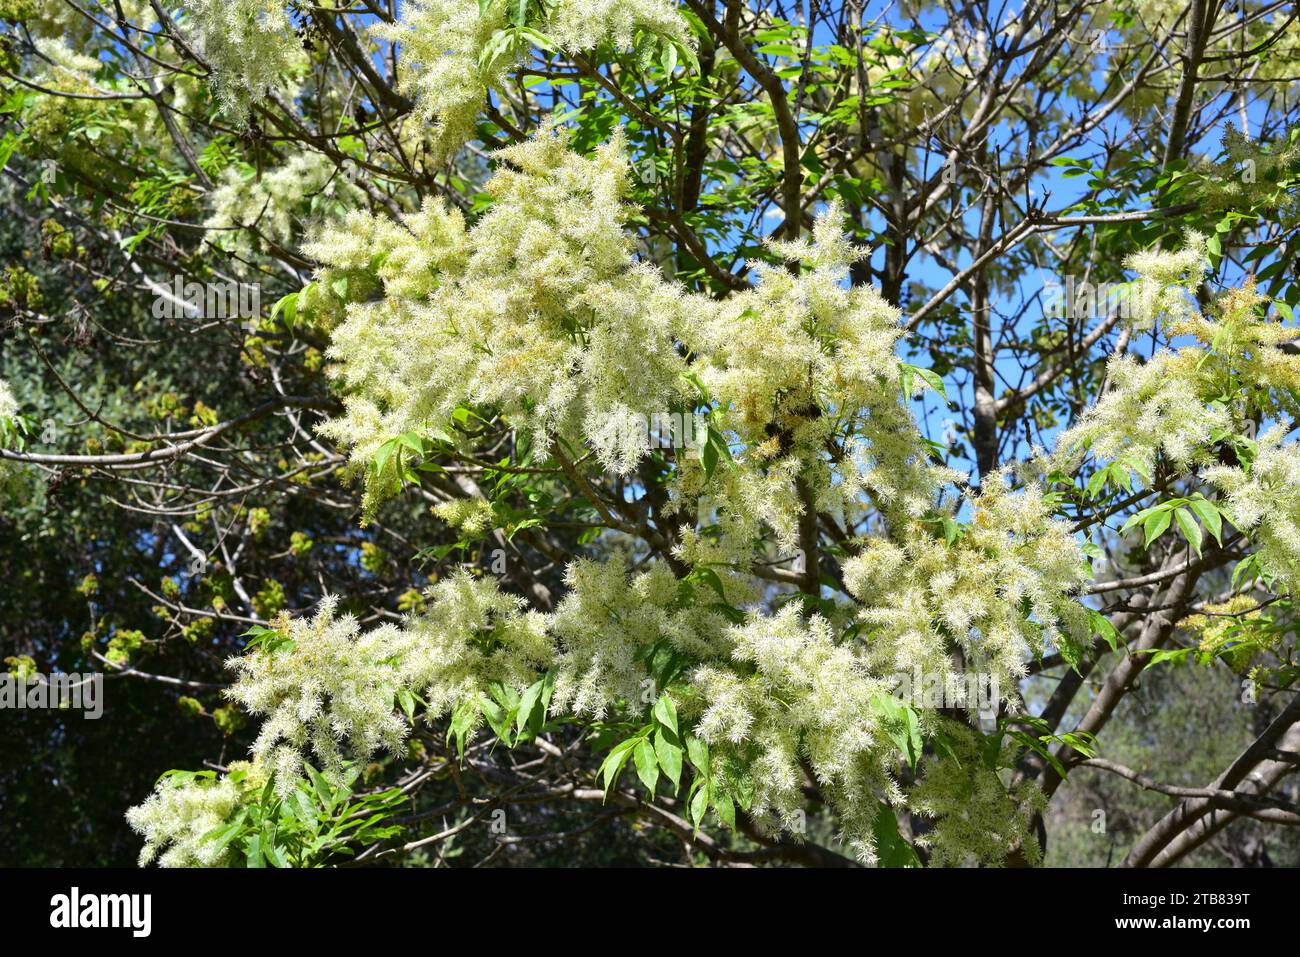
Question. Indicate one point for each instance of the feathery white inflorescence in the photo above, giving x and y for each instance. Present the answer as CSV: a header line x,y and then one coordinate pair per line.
x,y
324,682
455,51
178,818
307,190
8,404
1266,501
1001,592
1167,282
1153,408
251,46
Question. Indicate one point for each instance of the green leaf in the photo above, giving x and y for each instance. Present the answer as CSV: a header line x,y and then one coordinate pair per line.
x,y
709,458
668,57
1191,531
891,849
276,856
1101,626
647,765
223,834
697,752
1168,654
613,764
253,850
726,809
906,374
709,577
1034,744
323,790
666,713
462,720
8,145
406,698
539,40
902,725
287,309
498,718
1246,572
670,759
713,451
699,804
934,381
1082,741
685,53
1210,517
1154,526
530,700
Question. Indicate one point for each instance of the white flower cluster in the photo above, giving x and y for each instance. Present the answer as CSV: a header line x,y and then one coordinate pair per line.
x,y
250,45
471,636
320,682
541,312
605,620
977,819
538,310
177,819
441,42
1182,405
472,517
327,688
578,25
792,694
1153,407
998,594
455,51
8,404
1266,501
64,60
1248,345
1167,282
279,206
795,362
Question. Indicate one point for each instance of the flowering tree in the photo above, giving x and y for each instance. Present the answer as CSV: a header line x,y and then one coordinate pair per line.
x,y
792,427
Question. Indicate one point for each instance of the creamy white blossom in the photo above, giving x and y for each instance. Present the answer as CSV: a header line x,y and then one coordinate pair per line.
x,y
455,51
8,404
1266,502
251,45
178,818
279,206
1000,593
321,682
800,696
1167,282
1157,407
